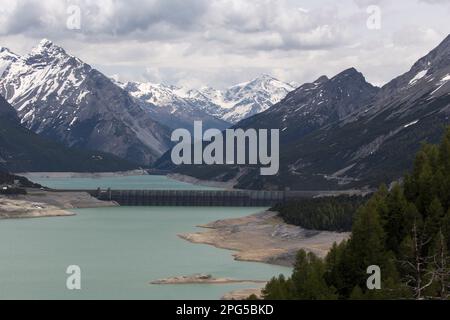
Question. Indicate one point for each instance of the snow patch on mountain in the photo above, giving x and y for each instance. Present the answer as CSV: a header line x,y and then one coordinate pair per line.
x,y
446,78
411,124
418,76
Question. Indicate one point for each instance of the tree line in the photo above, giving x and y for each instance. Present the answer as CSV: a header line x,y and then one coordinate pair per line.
x,y
404,231
327,213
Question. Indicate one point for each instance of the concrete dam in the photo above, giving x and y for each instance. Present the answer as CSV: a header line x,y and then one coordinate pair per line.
x,y
196,198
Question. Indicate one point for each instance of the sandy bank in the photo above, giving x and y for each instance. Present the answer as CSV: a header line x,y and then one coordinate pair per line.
x,y
39,203
264,237
65,200
19,209
202,279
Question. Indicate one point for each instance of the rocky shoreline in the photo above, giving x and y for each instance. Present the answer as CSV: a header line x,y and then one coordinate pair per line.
x,y
21,209
264,237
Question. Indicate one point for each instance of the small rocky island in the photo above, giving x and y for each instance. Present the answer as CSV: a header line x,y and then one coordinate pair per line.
x,y
201,279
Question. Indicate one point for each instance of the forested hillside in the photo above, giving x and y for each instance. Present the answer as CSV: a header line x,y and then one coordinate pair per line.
x,y
328,213
405,231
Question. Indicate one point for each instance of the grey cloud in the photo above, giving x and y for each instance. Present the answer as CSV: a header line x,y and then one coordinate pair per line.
x,y
254,25
435,1
221,42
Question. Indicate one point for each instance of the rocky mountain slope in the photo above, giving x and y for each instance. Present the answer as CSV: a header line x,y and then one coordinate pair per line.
x,y
22,150
314,105
361,137
62,98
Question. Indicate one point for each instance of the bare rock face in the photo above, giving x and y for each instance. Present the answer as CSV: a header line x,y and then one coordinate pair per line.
x,y
60,97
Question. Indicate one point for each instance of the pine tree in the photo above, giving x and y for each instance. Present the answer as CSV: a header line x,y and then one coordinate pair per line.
x,y
433,219
366,245
334,262
395,218
278,289
308,279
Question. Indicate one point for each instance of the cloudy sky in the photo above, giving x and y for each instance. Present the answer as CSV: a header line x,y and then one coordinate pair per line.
x,y
224,42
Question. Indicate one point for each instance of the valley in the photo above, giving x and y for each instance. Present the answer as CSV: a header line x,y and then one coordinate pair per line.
x,y
67,126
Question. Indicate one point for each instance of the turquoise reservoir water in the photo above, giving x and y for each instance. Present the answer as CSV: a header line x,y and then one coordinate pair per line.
x,y
124,183
120,250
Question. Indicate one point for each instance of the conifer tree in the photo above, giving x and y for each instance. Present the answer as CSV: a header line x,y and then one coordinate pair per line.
x,y
309,279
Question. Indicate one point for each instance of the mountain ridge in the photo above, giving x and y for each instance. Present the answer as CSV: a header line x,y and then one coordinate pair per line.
x,y
371,143
167,105
218,108
243,100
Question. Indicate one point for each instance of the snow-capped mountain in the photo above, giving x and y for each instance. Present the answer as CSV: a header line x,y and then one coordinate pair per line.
x,y
61,97
243,100
169,105
216,108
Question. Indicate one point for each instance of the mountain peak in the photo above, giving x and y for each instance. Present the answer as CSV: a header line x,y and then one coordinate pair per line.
x,y
350,71
45,43
46,46
350,74
321,80
265,76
